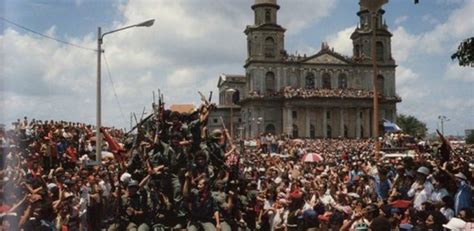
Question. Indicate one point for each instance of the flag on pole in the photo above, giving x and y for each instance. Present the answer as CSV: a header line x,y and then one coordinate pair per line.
x,y
390,126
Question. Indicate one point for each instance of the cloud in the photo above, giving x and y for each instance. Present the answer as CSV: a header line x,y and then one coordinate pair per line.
x,y
405,76
400,19
456,72
191,43
341,41
78,2
444,37
403,44
449,2
447,34
429,19
308,13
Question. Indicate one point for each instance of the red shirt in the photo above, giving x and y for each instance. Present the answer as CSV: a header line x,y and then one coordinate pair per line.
x,y
71,152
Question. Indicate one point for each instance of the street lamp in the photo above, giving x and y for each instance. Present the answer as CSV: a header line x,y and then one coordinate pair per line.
x,y
259,121
442,118
231,92
100,38
374,6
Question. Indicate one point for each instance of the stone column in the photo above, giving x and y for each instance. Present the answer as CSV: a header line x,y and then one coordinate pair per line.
x,y
368,123
307,122
278,79
341,119
358,123
394,114
325,123
289,125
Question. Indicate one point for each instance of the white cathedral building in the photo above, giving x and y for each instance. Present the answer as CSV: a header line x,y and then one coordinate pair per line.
x,y
321,95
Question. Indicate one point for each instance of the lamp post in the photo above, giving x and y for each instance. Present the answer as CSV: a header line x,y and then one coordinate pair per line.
x,y
100,38
259,121
374,6
442,119
231,92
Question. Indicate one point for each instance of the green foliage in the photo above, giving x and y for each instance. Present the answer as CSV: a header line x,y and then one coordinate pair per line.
x,y
411,125
470,138
465,53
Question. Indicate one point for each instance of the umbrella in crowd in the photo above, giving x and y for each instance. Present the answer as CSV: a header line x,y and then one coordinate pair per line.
x,y
312,158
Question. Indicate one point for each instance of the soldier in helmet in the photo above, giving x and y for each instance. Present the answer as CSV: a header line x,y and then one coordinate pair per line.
x,y
214,149
134,208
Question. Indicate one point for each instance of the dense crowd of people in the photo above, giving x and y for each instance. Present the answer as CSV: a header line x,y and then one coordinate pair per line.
x,y
291,92
173,173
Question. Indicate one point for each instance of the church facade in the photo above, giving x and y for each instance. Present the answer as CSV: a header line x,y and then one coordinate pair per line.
x,y
321,95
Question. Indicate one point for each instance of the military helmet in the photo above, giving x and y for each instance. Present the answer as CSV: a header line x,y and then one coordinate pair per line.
x,y
216,134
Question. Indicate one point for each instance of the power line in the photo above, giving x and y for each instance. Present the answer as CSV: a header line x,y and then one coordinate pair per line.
x,y
113,88
46,36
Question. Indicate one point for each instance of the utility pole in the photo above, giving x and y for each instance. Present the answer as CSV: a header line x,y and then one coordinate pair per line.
x,y
442,118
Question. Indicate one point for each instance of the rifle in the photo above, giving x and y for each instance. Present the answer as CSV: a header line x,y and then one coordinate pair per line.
x,y
226,132
158,115
222,122
139,124
143,120
203,98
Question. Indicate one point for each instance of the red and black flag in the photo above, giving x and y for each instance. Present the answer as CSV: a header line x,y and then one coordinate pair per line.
x,y
445,149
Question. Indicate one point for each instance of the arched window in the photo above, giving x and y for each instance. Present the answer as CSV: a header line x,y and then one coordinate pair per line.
x,y
269,47
329,131
381,84
379,51
236,97
326,81
357,51
342,81
309,83
270,128
295,131
270,82
361,131
312,131
346,131
268,16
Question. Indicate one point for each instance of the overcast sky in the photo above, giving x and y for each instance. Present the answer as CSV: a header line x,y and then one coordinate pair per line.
x,y
194,41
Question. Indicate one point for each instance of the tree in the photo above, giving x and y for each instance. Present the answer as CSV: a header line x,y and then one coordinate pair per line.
x,y
411,125
465,52
470,138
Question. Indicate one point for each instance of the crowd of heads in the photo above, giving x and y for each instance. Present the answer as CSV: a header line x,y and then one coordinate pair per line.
x,y
173,173
291,92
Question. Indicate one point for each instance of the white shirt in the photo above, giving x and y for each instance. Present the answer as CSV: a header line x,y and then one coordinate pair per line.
x,y
106,188
437,195
278,219
422,195
327,199
447,212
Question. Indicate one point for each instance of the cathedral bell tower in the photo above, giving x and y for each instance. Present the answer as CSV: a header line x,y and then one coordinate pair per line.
x,y
362,37
265,39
